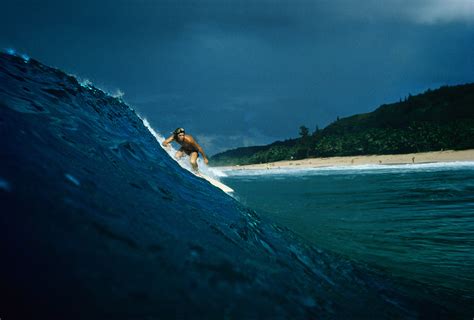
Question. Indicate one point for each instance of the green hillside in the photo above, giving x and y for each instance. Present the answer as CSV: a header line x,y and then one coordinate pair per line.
x,y
434,120
247,155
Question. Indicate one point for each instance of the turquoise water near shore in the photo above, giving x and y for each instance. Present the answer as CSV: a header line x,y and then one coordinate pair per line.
x,y
412,221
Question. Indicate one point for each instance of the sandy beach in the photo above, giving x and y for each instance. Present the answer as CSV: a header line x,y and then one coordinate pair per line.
x,y
423,157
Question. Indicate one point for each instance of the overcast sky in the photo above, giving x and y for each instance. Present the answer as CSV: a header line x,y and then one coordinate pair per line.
x,y
240,73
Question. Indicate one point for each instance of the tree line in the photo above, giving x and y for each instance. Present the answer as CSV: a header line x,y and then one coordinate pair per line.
x,y
435,120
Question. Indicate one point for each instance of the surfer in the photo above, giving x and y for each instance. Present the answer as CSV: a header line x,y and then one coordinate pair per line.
x,y
189,146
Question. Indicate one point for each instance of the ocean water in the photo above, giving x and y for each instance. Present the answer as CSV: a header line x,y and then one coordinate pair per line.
x,y
99,222
411,221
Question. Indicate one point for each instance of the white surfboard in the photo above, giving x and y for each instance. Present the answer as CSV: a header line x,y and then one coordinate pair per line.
x,y
216,183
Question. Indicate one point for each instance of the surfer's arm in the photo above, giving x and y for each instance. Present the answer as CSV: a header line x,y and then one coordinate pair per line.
x,y
198,147
203,154
167,141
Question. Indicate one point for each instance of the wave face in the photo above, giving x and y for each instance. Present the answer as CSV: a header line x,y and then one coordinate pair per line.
x,y
99,222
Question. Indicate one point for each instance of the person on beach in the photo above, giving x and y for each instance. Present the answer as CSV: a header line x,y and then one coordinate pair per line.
x,y
189,146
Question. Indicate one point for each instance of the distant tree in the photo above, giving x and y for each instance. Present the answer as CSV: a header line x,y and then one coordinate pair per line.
x,y
316,130
304,132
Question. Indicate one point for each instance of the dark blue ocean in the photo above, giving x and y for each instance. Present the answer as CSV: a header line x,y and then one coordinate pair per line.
x,y
99,222
411,221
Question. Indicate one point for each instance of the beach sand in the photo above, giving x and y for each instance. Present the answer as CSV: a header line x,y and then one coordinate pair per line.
x,y
423,157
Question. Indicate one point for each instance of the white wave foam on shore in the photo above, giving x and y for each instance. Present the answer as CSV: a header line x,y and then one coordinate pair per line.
x,y
354,169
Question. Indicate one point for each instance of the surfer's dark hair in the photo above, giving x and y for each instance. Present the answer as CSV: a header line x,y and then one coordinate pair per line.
x,y
178,131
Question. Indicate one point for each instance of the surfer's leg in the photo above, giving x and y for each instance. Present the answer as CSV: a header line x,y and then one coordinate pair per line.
x,y
193,159
178,154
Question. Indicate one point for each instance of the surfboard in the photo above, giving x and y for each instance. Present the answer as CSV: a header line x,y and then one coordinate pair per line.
x,y
216,183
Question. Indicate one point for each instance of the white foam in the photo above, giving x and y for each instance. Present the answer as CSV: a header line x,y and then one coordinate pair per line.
x,y
118,94
13,52
355,169
86,83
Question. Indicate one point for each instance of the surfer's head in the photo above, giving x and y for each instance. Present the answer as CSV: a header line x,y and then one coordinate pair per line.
x,y
179,134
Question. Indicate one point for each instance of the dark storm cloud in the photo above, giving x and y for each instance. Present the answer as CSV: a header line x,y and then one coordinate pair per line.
x,y
249,72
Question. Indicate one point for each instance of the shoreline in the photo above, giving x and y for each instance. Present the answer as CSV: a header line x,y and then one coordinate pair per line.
x,y
387,159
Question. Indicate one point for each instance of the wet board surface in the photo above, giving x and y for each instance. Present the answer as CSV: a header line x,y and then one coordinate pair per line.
x,y
216,183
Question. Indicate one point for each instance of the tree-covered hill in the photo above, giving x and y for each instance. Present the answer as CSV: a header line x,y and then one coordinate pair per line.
x,y
246,155
434,120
